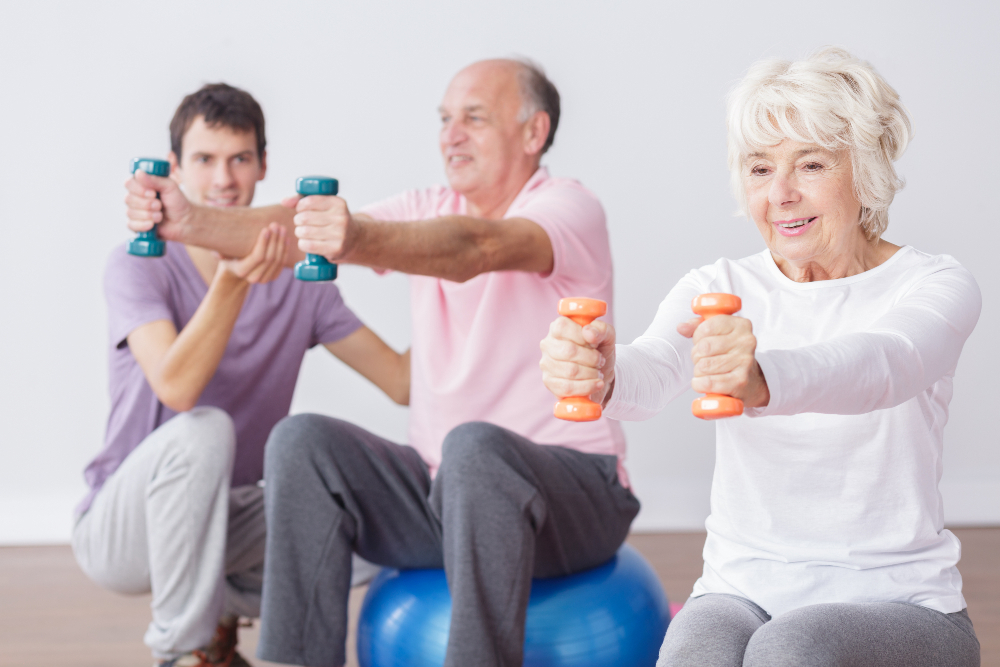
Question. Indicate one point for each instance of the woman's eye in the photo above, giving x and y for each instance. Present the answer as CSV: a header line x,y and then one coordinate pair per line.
x,y
813,166
758,171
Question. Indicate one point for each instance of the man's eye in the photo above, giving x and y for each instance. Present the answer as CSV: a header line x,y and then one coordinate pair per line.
x,y
813,166
201,159
240,158
445,119
475,119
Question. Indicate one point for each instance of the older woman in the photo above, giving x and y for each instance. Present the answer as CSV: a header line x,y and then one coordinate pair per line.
x,y
826,543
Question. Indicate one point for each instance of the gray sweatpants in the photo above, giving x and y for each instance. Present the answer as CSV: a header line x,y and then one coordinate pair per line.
x,y
500,511
167,522
730,631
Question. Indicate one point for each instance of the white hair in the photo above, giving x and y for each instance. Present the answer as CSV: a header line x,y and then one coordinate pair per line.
x,y
831,99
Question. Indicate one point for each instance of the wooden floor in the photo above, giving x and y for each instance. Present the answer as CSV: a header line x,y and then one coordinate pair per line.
x,y
53,616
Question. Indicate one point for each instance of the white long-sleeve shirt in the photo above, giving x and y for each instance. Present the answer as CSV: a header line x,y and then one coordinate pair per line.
x,y
830,492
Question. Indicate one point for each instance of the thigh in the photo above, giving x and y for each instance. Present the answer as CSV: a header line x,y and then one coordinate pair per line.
x,y
578,510
711,630
316,464
881,634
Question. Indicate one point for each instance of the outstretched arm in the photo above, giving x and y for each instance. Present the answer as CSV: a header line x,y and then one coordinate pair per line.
x,y
178,366
231,232
454,247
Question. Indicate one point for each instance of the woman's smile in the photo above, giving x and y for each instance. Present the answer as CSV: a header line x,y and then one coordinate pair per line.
x,y
795,227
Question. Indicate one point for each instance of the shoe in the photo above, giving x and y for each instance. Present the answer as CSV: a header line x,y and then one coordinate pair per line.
x,y
220,652
222,649
192,659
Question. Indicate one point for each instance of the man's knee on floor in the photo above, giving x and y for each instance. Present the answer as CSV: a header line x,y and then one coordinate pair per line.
x,y
473,450
205,440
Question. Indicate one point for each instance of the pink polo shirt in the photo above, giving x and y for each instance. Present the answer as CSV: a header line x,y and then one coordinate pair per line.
x,y
475,344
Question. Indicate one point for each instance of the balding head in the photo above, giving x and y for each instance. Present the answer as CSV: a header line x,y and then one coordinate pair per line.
x,y
498,117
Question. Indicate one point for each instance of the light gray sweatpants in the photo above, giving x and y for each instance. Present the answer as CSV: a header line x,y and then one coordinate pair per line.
x,y
730,631
167,522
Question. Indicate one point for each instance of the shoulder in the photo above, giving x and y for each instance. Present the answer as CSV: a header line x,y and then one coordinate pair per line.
x,y
122,270
415,204
915,268
725,273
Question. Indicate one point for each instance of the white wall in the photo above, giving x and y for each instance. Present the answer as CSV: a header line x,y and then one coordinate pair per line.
x,y
351,89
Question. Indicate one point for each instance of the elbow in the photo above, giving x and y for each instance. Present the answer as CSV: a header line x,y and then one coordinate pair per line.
x,y
175,398
401,397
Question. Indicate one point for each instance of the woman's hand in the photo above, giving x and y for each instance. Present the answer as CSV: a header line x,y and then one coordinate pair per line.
x,y
579,361
724,361
265,261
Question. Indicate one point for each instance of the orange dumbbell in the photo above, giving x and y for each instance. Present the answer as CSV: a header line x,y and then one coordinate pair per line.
x,y
583,312
716,406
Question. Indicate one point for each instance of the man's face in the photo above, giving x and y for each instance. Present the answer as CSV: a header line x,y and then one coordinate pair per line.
x,y
218,166
481,139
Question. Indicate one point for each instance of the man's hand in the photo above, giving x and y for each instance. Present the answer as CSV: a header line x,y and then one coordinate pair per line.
x,y
144,209
323,225
265,261
724,361
579,361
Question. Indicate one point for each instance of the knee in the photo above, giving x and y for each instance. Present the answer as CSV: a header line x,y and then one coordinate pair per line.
x,y
203,439
294,441
795,639
472,451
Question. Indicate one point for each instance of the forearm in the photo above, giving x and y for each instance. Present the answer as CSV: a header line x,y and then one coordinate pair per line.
x,y
649,374
192,359
233,231
455,248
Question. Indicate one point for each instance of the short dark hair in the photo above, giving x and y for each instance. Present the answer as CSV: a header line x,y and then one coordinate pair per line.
x,y
221,105
539,94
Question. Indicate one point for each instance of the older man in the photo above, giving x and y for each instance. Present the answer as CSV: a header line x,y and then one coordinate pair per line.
x,y
491,486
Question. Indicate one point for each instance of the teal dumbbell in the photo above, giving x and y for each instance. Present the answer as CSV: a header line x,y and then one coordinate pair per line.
x,y
316,267
148,244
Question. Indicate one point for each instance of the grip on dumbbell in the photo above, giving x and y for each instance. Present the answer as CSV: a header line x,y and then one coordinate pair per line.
x,y
149,244
583,312
316,268
716,406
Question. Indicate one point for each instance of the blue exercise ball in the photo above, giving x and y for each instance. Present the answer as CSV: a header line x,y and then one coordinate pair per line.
x,y
614,615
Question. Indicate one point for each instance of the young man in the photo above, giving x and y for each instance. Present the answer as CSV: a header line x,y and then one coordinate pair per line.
x,y
205,353
516,495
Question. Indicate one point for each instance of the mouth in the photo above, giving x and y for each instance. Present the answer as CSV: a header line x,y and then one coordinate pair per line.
x,y
795,227
221,202
458,160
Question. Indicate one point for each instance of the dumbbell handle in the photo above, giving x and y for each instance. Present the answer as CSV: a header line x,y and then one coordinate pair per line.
x,y
716,406
316,268
583,312
148,243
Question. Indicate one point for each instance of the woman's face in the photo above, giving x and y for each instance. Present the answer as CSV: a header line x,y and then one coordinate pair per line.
x,y
801,197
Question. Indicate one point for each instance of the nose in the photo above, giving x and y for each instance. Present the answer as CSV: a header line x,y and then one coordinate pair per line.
x,y
222,176
783,190
452,133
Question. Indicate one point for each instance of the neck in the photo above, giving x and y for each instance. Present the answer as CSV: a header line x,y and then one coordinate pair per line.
x,y
842,265
493,205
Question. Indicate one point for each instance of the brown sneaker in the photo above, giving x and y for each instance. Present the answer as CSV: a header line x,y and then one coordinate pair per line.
x,y
192,659
222,649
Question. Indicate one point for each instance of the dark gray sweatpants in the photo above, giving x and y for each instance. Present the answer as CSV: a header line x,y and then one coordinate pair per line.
x,y
500,511
730,631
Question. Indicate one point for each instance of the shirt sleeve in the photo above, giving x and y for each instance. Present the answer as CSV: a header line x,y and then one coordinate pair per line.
x,y
913,345
575,223
334,320
137,292
656,368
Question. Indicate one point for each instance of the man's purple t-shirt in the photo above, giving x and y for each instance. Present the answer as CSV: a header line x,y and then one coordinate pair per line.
x,y
255,380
